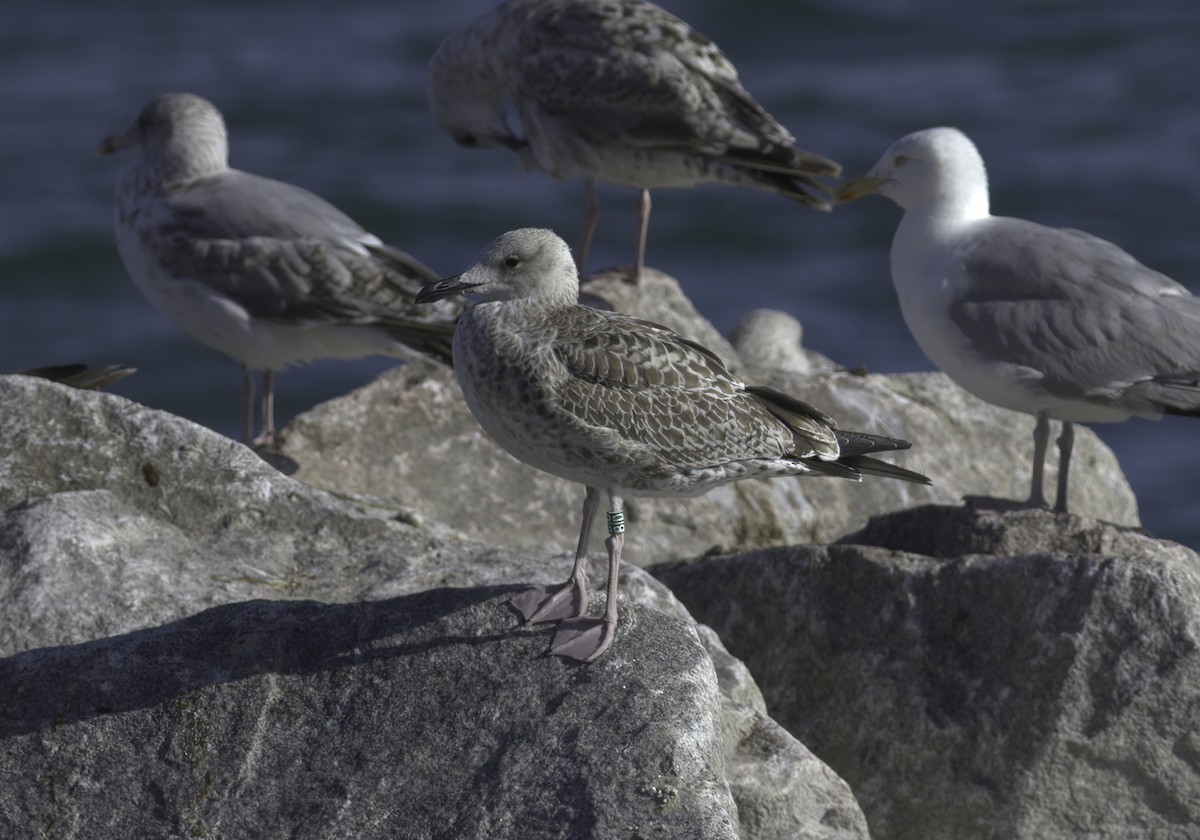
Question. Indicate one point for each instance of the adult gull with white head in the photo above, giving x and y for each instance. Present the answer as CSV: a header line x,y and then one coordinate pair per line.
x,y
1052,322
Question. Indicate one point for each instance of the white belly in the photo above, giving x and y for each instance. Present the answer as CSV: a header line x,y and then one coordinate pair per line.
x,y
925,301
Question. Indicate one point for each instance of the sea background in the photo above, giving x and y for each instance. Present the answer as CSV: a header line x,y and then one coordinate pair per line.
x,y
1086,113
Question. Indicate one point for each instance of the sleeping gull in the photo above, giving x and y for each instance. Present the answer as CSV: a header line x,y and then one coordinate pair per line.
x,y
768,339
263,271
621,405
1054,323
618,90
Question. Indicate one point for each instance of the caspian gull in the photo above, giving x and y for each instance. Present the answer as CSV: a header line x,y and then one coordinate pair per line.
x,y
621,405
263,271
616,90
1051,322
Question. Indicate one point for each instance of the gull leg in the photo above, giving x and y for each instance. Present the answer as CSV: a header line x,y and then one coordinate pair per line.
x,y
1037,497
591,215
267,436
1041,440
586,639
639,257
1066,442
565,600
247,406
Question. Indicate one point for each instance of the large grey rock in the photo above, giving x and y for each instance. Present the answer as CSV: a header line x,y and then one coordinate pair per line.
x,y
421,716
162,676
409,440
1029,676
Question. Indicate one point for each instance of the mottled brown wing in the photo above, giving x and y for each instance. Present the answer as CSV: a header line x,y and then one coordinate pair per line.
x,y
652,387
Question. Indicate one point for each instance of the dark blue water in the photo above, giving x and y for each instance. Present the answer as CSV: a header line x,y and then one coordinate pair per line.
x,y
1086,113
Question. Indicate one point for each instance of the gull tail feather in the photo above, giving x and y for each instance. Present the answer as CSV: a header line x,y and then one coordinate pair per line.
x,y
862,443
873,466
81,376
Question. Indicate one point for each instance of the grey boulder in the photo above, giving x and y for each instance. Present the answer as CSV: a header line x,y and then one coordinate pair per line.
x,y
192,644
976,674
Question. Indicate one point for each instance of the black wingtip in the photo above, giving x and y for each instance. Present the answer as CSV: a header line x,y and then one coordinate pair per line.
x,y
873,466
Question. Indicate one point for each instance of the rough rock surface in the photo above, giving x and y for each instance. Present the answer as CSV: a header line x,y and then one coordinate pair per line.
x,y
192,644
420,716
982,675
408,439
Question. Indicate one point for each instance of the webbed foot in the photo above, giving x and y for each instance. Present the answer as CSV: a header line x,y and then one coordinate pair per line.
x,y
583,639
552,603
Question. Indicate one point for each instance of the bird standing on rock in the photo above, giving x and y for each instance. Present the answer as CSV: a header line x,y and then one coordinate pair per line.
x,y
1051,322
263,271
620,405
616,90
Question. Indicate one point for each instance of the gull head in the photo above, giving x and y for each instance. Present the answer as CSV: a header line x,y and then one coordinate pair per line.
x,y
181,135
530,264
934,167
469,107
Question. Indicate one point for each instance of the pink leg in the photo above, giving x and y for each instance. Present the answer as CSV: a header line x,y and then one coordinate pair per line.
x,y
565,600
267,436
591,215
639,257
247,406
1041,440
586,639
1037,495
1066,442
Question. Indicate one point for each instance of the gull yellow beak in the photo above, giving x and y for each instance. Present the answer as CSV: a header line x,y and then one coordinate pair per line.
x,y
856,188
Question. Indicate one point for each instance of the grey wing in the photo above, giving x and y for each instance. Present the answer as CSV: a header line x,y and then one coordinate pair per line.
x,y
649,387
282,252
1092,320
629,72
235,204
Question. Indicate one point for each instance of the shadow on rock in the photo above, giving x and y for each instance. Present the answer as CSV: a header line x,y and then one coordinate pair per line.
x,y
53,686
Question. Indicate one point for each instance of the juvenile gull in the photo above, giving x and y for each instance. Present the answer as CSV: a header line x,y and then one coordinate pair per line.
x,y
617,90
620,405
263,271
1054,323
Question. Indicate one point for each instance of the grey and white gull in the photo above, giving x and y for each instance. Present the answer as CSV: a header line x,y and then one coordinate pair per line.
x,y
1051,322
620,405
615,90
261,270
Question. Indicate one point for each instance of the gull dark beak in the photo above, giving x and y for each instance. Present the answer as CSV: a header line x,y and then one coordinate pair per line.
x,y
443,288
515,143
856,188
114,143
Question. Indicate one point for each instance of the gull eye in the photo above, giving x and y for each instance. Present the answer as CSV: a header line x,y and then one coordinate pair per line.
x,y
512,261
900,160
467,140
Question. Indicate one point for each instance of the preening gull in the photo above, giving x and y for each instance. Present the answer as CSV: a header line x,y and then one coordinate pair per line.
x,y
263,271
616,90
1051,322
619,405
